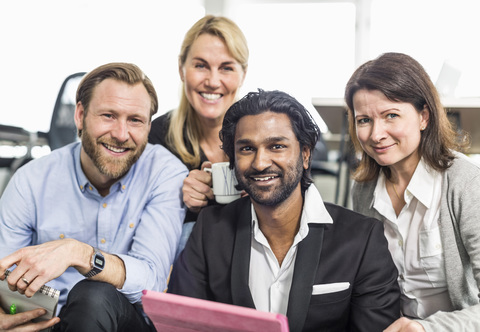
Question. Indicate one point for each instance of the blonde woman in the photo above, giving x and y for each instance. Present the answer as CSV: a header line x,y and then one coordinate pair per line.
x,y
212,65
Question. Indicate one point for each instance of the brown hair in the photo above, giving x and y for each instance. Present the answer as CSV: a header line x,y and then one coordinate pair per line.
x,y
124,72
402,79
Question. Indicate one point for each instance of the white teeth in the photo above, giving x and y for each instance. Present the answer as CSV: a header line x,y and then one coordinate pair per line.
x,y
114,149
211,96
264,179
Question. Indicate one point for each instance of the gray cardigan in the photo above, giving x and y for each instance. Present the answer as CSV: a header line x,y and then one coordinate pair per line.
x,y
460,232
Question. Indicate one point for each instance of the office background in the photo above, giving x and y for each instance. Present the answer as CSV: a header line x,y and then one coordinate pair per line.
x,y
308,48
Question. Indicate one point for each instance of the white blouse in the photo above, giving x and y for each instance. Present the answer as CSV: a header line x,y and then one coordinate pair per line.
x,y
415,244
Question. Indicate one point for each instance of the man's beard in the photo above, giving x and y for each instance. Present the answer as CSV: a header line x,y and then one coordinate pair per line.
x,y
113,167
276,195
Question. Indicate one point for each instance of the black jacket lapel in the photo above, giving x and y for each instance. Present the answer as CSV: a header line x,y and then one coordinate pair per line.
x,y
306,264
241,258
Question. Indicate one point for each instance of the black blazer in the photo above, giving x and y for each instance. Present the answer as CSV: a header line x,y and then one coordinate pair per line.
x,y
158,135
215,266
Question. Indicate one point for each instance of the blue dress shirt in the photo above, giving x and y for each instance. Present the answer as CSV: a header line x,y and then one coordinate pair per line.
x,y
140,220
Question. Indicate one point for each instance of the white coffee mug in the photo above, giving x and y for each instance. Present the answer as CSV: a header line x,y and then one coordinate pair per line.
x,y
224,182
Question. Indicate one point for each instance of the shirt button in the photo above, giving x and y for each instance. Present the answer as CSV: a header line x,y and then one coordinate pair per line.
x,y
103,241
62,236
123,187
131,225
81,187
400,243
104,205
90,187
402,277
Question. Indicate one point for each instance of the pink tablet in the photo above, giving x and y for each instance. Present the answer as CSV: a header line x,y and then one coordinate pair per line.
x,y
170,312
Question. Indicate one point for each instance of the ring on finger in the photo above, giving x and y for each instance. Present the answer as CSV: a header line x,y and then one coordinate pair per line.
x,y
26,281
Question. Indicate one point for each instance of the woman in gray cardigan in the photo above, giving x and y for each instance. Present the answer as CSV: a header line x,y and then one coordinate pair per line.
x,y
412,176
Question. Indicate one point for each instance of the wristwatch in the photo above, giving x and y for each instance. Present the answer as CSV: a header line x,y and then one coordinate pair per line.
x,y
97,263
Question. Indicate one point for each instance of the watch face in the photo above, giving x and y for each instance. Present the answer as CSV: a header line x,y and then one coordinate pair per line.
x,y
99,261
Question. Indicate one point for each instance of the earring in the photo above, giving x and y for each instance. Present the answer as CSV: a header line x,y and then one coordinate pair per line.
x,y
422,129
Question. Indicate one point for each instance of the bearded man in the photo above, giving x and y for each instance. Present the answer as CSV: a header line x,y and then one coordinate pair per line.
x,y
98,219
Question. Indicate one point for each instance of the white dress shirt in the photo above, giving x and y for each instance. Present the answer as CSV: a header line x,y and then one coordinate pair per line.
x,y
268,281
415,244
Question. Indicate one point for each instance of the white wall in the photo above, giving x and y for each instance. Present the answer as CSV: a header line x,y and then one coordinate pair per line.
x,y
303,47
42,42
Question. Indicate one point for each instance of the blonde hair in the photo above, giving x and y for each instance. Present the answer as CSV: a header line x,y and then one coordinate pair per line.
x,y
184,117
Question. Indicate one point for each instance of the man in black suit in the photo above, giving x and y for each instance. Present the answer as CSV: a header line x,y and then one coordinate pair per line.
x,y
282,249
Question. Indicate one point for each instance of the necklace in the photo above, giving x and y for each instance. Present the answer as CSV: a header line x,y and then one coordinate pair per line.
x,y
395,190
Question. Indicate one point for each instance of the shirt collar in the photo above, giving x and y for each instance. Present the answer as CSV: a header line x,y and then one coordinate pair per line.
x,y
82,180
381,201
314,210
421,186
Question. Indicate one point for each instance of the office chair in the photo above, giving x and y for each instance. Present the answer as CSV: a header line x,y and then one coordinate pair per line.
x,y
62,127
12,136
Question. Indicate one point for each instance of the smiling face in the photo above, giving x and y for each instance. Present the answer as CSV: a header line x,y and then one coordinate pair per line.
x,y
388,131
211,77
114,130
268,160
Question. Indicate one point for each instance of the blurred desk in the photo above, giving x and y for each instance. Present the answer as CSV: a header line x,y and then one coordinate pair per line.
x,y
13,135
333,113
11,138
465,113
